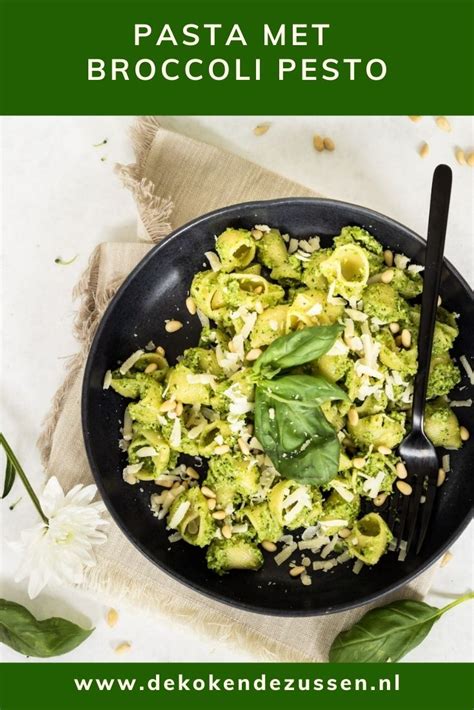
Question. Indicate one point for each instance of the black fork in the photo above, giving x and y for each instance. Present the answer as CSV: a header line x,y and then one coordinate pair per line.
x,y
407,513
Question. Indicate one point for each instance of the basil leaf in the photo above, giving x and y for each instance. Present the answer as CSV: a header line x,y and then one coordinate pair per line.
x,y
10,473
297,348
388,633
306,390
297,437
20,630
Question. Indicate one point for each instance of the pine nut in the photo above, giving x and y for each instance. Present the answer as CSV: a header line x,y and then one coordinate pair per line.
x,y
207,492
394,328
259,307
160,350
423,150
358,462
219,515
441,477
344,532
388,257
329,144
253,354
404,488
406,338
211,503
192,473
112,617
190,305
401,470
446,558
151,368
256,234
385,450
258,290
470,159
380,499
226,531
306,562
179,409
464,433
168,405
269,546
296,571
318,143
173,325
443,123
221,450
123,647
243,447
353,417
387,276
460,156
415,119
261,129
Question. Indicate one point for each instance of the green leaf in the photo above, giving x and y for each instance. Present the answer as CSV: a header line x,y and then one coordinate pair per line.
x,y
294,433
306,390
297,348
52,637
10,473
387,633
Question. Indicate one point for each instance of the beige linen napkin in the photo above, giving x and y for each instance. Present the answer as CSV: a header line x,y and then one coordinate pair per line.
x,y
199,178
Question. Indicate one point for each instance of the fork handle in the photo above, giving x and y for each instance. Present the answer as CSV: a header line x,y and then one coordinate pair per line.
x,y
437,223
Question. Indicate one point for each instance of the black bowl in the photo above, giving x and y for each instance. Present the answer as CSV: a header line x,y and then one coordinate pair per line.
x,y
156,290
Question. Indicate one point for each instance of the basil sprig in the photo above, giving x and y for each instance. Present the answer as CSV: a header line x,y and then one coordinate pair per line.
x,y
289,423
20,630
296,349
389,632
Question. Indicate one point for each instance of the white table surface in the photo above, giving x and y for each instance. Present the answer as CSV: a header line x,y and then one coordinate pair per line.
x,y
59,198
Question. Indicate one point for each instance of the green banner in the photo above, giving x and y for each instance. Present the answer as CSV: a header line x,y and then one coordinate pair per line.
x,y
132,686
236,57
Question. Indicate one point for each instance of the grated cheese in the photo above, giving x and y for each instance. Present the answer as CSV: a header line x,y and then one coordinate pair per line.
x,y
315,544
146,451
213,259
130,362
358,564
446,462
175,435
179,514
467,367
284,554
107,380
343,491
461,403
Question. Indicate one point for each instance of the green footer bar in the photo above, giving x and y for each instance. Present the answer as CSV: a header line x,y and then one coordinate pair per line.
x,y
243,685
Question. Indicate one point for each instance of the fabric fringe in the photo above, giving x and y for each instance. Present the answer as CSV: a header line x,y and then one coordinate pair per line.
x,y
155,211
113,582
91,309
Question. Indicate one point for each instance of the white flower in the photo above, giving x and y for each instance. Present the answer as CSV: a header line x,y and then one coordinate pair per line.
x,y
60,551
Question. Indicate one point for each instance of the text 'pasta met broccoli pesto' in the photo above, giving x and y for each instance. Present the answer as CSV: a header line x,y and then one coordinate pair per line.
x,y
292,403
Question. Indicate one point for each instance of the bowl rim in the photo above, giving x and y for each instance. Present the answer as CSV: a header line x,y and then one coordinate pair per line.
x,y
365,213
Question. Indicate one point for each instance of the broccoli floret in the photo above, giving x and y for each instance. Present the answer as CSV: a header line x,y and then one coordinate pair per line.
x,y
446,330
383,302
232,478
338,509
444,375
190,515
236,248
441,425
407,283
378,430
236,553
262,520
271,249
370,538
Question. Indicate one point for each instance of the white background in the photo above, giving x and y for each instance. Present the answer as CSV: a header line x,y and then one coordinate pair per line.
x,y
60,199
